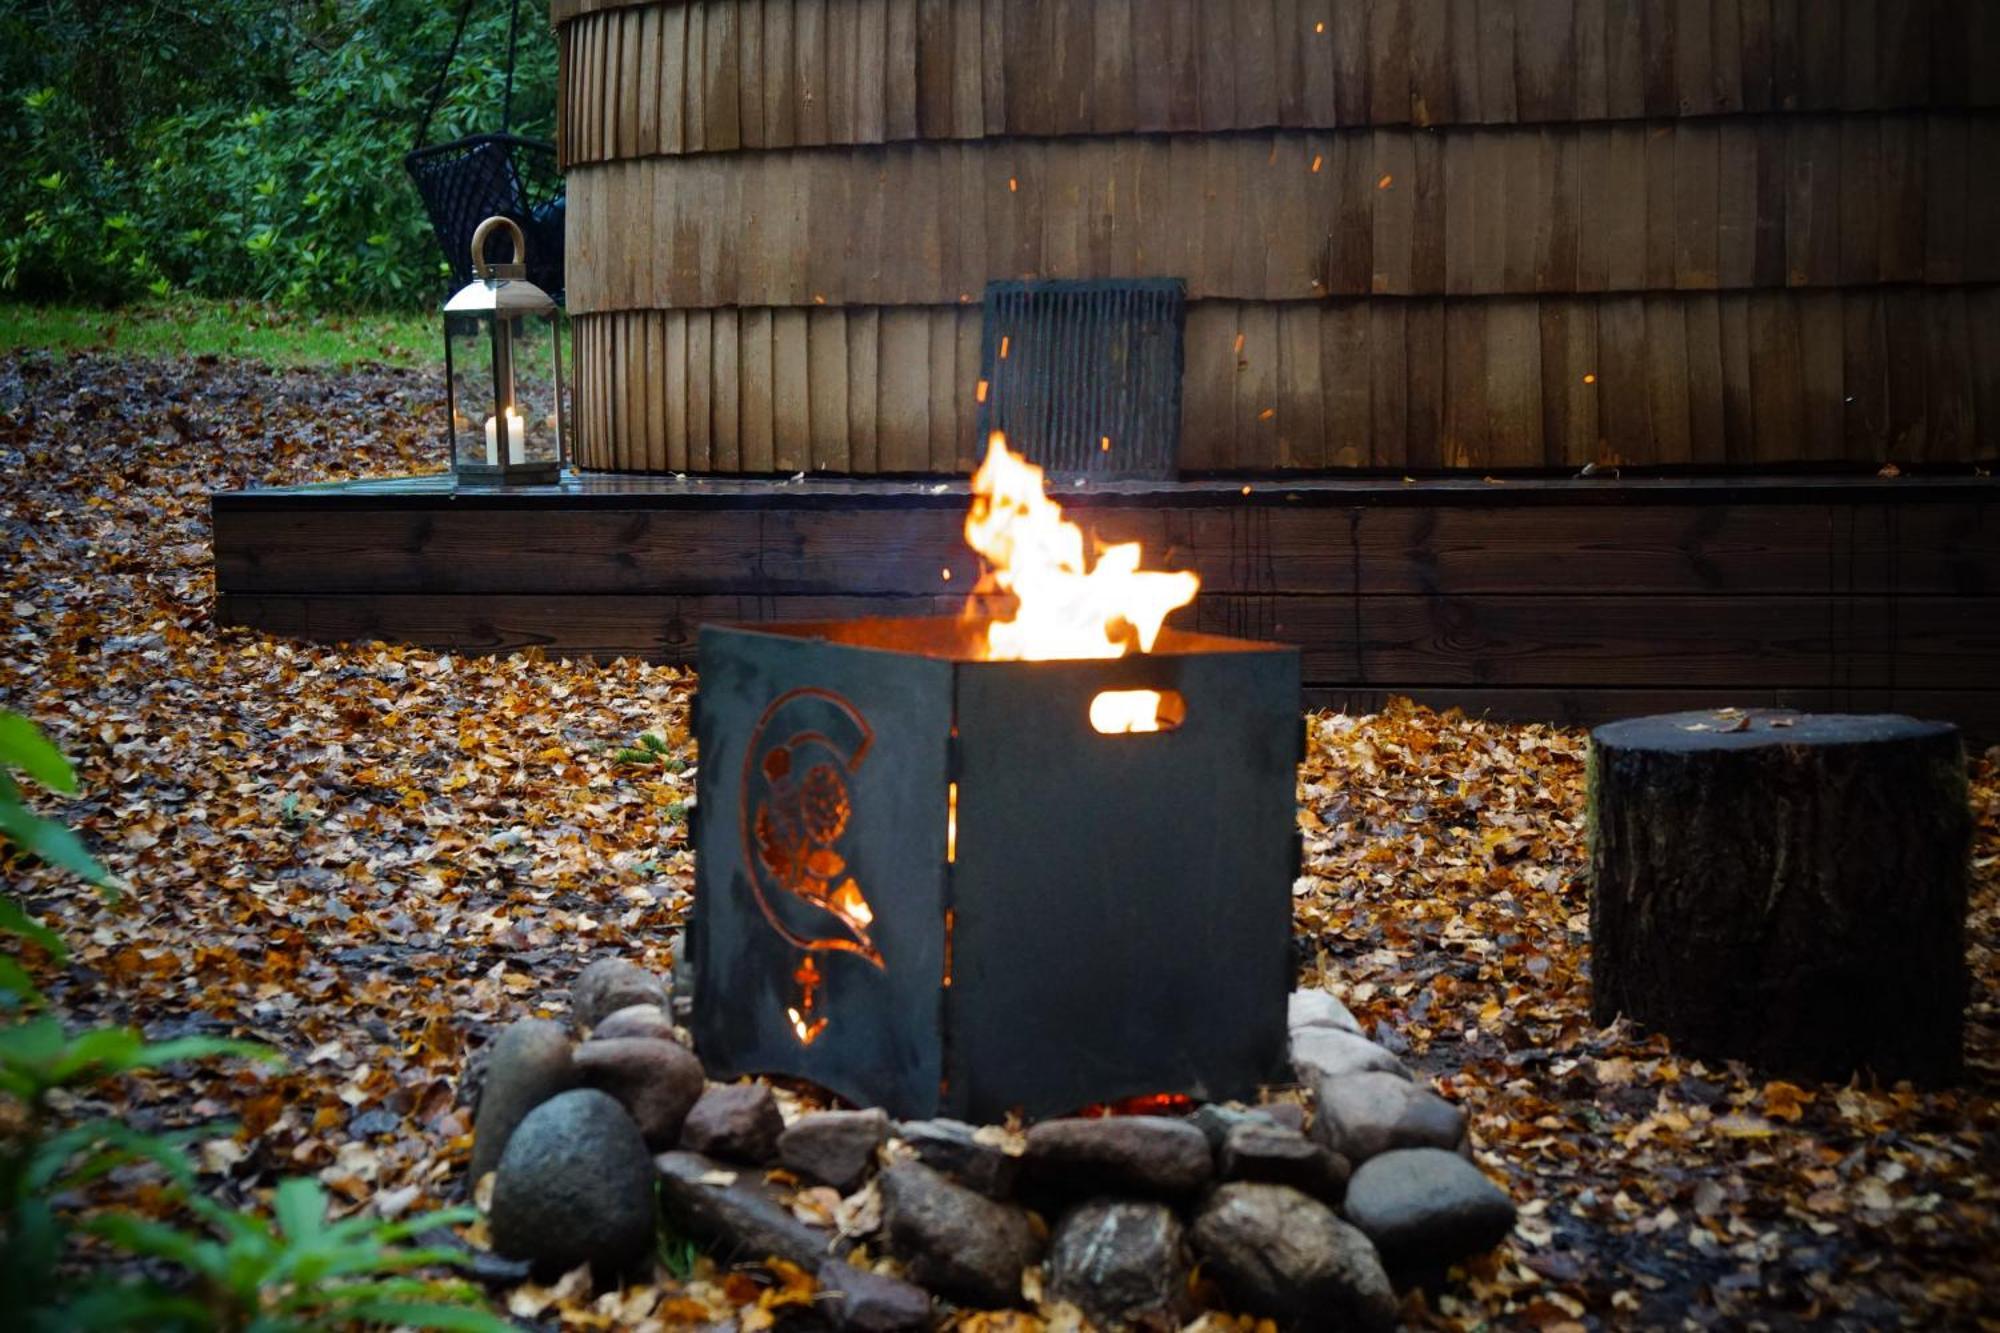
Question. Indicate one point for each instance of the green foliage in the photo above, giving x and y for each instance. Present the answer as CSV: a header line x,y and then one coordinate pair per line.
x,y
183,326
650,752
237,1272
240,148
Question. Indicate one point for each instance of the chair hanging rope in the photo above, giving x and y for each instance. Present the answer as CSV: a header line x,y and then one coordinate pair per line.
x,y
467,180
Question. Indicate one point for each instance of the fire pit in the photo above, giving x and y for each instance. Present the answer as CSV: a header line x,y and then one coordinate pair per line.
x,y
976,865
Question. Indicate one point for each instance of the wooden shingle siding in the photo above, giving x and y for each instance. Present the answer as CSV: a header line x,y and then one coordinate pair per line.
x,y
1706,379
695,76
1416,235
1667,205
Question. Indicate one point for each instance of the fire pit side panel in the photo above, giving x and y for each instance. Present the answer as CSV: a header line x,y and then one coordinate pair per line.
x,y
821,825
1121,903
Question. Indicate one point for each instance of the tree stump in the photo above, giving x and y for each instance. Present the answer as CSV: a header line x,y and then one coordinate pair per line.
x,y
1783,888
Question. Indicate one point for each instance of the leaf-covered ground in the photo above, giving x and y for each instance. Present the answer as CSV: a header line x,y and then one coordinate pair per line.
x,y
371,857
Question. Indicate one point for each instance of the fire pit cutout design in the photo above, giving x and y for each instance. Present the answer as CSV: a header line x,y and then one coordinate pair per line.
x,y
950,880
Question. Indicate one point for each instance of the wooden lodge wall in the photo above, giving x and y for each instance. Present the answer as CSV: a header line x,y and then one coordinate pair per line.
x,y
1417,234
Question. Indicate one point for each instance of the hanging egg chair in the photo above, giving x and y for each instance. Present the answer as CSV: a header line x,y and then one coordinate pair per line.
x,y
467,180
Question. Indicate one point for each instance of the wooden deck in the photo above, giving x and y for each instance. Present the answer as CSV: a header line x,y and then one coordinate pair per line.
x,y
1572,600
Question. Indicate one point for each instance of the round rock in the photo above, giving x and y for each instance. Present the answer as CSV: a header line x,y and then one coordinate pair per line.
x,y
658,1082
1281,1254
954,1147
836,1148
1155,1156
528,1064
738,1121
1329,1052
1121,1263
1319,1008
1426,1208
1363,1115
611,984
959,1243
636,1020
1216,1119
575,1185
1284,1157
865,1302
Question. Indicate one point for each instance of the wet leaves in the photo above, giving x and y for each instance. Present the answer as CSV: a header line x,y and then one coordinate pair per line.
x,y
1445,902
372,857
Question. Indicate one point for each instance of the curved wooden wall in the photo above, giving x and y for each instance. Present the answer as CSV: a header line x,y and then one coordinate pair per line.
x,y
724,75
1416,234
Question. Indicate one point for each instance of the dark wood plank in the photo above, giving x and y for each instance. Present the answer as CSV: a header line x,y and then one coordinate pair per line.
x,y
1388,62
1431,99
1904,315
1616,639
1545,60
1944,199
1464,443
1865,377
656,629
1697,205
1425,356
1624,410
1813,203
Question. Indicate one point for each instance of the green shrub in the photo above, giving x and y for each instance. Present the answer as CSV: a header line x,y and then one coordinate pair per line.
x,y
240,148
238,1272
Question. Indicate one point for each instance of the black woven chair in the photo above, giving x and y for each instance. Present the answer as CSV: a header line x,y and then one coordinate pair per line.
x,y
465,181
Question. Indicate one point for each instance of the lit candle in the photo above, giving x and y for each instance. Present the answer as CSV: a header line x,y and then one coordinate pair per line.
x,y
517,439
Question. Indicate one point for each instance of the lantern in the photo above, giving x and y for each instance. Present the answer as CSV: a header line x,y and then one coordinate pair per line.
x,y
505,398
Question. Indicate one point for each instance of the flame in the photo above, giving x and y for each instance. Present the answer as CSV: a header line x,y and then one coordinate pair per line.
x,y
1066,608
1122,712
847,903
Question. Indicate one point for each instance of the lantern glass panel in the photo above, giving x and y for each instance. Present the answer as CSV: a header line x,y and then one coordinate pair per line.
x,y
515,380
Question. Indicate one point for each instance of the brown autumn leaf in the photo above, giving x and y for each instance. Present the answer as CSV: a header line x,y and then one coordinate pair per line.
x,y
379,856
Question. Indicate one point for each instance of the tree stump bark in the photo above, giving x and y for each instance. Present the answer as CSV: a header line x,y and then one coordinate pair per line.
x,y
1783,888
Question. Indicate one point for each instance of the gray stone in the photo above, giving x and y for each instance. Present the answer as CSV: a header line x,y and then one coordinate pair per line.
x,y
959,1243
611,984
951,1146
527,1064
1361,1115
1426,1208
739,1121
682,982
1216,1119
657,1081
865,1302
1140,1154
836,1148
1283,1157
1286,1115
636,1020
1326,1052
1319,1009
737,1213
575,1185
1281,1254
1121,1263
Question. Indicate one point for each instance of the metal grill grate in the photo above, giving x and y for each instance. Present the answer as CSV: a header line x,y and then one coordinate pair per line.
x,y
1085,377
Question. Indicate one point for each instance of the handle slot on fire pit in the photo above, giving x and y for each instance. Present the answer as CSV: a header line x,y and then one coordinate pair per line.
x,y
1137,712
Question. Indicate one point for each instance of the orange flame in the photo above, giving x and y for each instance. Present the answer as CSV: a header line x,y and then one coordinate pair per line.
x,y
1066,606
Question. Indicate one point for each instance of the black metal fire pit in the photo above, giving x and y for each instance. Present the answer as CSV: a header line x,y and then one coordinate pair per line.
x,y
926,881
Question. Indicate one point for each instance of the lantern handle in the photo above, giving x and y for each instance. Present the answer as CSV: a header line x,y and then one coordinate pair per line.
x,y
480,266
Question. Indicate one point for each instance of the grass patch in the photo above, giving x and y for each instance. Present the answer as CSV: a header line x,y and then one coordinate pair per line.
x,y
240,329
